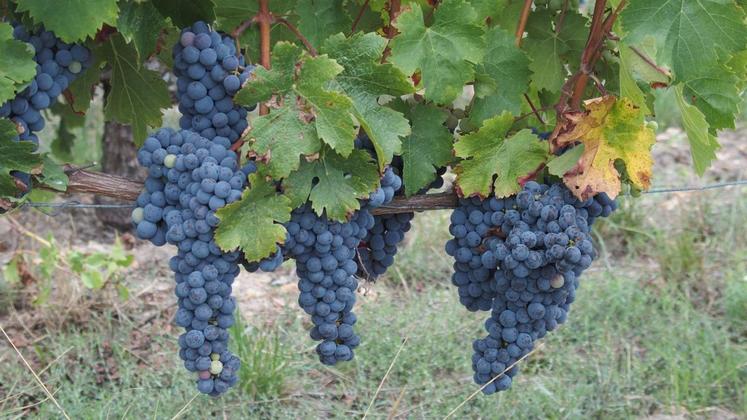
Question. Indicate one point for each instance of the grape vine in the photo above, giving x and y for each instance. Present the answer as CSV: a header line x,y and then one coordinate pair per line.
x,y
318,136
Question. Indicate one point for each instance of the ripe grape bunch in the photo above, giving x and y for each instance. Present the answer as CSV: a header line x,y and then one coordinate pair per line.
x,y
191,174
325,254
58,64
520,257
377,250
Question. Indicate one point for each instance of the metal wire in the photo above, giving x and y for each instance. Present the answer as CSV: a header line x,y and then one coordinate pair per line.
x,y
78,205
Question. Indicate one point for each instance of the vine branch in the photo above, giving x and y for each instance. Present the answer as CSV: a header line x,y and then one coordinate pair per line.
x,y
264,18
83,181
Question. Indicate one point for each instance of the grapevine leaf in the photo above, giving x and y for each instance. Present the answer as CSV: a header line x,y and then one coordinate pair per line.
x,y
690,35
364,80
15,156
332,183
322,18
628,86
715,93
141,23
426,149
550,51
489,9
81,90
17,65
254,223
445,52
493,161
611,130
53,175
501,80
331,111
703,144
560,165
231,13
73,21
137,94
186,12
281,137
264,83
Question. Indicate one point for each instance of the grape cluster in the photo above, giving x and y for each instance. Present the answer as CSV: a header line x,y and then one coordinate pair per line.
x,y
377,250
325,254
209,72
521,258
189,179
57,65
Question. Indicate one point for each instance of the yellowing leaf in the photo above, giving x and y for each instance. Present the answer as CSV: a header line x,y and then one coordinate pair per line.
x,y
611,130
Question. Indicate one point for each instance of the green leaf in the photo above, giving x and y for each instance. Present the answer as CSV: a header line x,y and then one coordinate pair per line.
x,y
92,279
331,111
137,94
628,86
560,165
426,149
141,24
254,223
690,35
231,13
74,20
322,18
186,12
10,272
53,175
489,153
716,94
82,89
332,183
551,51
703,144
264,83
281,137
501,80
17,66
490,9
445,53
14,156
364,80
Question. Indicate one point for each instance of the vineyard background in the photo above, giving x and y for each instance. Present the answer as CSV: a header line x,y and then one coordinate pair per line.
x,y
659,329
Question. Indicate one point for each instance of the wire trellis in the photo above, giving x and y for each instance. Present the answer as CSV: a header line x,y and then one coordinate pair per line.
x,y
69,205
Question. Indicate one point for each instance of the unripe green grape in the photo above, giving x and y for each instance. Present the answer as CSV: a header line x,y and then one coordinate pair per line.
x,y
214,357
137,215
169,161
75,67
216,367
557,282
652,125
556,4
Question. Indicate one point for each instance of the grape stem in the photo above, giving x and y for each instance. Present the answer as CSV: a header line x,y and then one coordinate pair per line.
x,y
650,62
523,18
359,17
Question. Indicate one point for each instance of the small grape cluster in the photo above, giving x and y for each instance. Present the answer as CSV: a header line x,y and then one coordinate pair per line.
x,y
520,257
209,72
189,179
57,65
325,254
377,250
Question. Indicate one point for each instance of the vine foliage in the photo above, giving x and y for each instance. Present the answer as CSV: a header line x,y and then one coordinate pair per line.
x,y
462,83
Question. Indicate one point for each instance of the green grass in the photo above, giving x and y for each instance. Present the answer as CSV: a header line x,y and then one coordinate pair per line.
x,y
662,330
